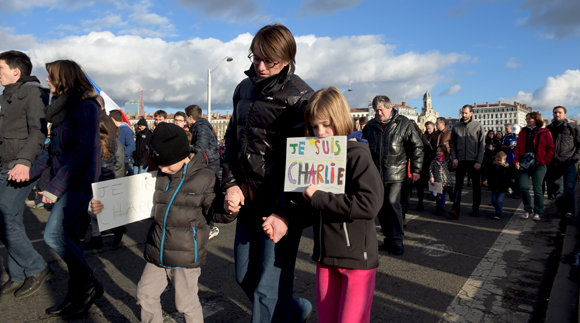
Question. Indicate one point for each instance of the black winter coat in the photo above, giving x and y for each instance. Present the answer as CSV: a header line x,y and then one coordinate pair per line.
x,y
345,234
204,141
141,150
22,122
498,178
266,112
566,143
184,203
393,147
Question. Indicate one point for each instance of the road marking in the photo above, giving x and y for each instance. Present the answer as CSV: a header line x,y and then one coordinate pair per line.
x,y
472,303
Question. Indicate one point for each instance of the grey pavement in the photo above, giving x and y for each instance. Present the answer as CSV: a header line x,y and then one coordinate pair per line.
x,y
466,270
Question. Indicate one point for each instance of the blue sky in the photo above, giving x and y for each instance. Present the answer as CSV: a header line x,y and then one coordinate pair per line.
x,y
462,51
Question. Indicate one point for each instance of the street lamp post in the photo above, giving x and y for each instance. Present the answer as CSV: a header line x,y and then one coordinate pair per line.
x,y
209,71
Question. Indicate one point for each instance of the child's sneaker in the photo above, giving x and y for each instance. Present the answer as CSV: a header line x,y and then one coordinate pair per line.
x,y
213,232
525,215
454,214
497,216
39,206
537,218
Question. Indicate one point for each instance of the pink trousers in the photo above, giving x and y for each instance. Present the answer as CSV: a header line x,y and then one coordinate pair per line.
x,y
344,295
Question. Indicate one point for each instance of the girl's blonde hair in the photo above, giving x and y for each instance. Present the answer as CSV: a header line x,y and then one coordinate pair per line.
x,y
329,104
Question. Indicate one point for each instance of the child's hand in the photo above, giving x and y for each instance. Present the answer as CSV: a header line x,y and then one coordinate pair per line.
x,y
432,181
275,227
309,191
96,206
233,201
233,207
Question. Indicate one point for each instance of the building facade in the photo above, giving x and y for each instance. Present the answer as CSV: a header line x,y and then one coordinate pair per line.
x,y
495,116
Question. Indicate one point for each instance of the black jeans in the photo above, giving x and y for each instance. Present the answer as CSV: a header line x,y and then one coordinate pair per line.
x,y
391,215
466,167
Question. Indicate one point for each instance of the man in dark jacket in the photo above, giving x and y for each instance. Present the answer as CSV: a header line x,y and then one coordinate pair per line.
x,y
140,153
203,139
563,169
393,141
22,136
467,149
442,136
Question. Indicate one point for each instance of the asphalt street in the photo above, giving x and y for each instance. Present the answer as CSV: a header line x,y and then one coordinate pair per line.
x,y
474,269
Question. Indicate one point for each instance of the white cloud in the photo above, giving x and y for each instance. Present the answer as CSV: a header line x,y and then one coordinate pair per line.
x,y
562,90
452,90
120,64
512,63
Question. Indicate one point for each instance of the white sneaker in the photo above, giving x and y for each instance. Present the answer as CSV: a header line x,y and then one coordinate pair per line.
x,y
525,215
536,217
213,232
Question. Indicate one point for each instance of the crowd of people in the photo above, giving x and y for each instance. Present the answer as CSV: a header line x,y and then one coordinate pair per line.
x,y
200,181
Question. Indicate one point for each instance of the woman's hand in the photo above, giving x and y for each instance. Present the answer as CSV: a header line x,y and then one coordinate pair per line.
x,y
275,227
233,207
96,206
309,191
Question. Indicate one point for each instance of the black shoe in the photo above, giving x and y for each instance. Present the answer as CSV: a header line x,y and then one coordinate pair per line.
x,y
10,287
33,283
65,304
84,299
475,214
94,243
454,214
397,249
440,211
118,232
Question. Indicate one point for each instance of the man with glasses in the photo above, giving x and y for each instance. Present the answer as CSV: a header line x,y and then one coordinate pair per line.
x,y
179,120
442,136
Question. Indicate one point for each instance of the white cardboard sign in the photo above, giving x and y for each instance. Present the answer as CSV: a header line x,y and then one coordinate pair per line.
x,y
319,161
125,200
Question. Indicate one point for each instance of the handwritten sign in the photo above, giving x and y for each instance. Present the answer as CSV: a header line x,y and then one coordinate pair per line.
x,y
125,200
319,161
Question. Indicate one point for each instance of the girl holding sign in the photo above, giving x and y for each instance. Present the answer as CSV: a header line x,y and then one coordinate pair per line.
x,y
345,238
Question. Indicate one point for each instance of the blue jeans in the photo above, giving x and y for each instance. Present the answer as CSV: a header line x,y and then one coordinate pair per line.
x,y
140,169
62,232
441,197
391,214
265,271
537,176
563,181
497,201
22,261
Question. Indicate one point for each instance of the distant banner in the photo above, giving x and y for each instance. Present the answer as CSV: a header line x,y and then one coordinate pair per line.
x,y
319,161
125,200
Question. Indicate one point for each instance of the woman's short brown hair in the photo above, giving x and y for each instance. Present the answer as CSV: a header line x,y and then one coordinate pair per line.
x,y
329,103
538,117
275,42
66,75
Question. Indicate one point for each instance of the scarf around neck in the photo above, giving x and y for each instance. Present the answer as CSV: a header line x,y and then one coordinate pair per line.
x,y
61,107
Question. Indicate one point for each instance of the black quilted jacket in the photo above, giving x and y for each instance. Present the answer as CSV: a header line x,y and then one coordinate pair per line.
x,y
393,147
266,112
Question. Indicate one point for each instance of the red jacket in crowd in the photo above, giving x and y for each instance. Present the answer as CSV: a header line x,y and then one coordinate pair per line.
x,y
545,146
